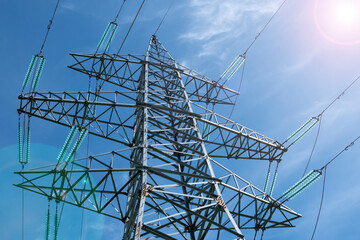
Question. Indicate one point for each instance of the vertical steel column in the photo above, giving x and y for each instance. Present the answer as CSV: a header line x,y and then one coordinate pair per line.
x,y
144,146
218,191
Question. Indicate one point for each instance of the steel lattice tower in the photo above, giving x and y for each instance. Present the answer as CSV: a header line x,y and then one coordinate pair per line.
x,y
169,142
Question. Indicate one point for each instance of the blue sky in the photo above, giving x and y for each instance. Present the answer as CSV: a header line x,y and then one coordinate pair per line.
x,y
292,73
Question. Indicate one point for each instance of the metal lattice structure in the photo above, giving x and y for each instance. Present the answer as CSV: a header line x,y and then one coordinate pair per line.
x,y
169,143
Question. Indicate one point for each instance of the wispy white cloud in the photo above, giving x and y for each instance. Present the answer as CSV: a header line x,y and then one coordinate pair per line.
x,y
68,6
219,21
301,63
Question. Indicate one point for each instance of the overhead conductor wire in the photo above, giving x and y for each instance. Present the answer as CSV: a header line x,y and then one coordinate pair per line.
x,y
49,27
118,13
323,169
244,55
265,26
162,20
345,149
127,34
321,203
319,116
243,70
313,148
257,36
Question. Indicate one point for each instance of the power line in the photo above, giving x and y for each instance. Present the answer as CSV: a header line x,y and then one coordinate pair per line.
x,y
118,13
49,27
321,204
265,26
162,20
240,59
323,169
311,177
127,34
313,148
306,127
341,94
345,149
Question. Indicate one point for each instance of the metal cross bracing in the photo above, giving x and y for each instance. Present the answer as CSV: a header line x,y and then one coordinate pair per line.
x,y
168,142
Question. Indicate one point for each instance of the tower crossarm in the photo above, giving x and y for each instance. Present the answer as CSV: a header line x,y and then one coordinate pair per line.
x,y
101,114
123,71
228,139
90,183
109,115
205,89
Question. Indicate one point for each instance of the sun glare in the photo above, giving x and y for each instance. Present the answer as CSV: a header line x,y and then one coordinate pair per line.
x,y
347,13
338,20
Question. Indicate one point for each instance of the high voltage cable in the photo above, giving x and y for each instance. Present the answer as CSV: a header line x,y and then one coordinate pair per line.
x,y
49,27
345,149
341,94
265,26
306,127
118,13
239,60
313,148
319,118
127,34
236,64
311,177
162,20
324,168
321,203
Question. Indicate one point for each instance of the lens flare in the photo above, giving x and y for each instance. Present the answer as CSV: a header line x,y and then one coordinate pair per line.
x,y
338,20
346,13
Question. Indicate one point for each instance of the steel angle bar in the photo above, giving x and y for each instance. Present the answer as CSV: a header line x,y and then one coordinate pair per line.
x,y
181,213
202,217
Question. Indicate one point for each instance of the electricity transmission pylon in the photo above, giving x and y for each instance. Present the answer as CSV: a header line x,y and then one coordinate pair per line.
x,y
168,145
